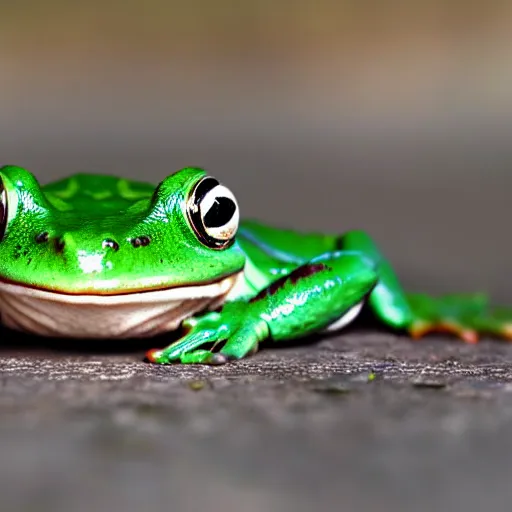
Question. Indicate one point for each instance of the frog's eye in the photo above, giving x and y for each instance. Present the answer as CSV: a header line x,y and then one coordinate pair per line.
x,y
213,213
3,209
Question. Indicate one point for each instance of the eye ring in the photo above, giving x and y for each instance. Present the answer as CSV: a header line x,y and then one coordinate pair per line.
x,y
213,213
3,210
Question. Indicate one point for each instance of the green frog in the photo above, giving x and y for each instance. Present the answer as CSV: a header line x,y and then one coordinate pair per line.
x,y
98,256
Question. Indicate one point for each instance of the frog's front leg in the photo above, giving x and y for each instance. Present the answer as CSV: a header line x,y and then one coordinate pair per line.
x,y
305,301
464,315
216,337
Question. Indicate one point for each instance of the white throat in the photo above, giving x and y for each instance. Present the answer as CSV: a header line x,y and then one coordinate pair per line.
x,y
132,315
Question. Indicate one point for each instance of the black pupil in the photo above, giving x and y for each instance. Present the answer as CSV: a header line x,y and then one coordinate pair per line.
x,y
220,213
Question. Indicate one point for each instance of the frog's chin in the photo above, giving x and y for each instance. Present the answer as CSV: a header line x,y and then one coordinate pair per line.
x,y
128,315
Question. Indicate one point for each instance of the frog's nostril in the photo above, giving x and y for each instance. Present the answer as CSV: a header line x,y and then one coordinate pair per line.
x,y
43,237
59,244
141,241
108,242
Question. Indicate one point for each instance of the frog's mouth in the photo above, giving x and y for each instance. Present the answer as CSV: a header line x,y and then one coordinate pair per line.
x,y
142,292
126,315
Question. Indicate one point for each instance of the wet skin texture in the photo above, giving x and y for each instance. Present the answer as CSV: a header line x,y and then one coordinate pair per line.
x,y
102,235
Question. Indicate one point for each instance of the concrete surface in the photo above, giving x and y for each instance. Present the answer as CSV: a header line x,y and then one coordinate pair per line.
x,y
361,421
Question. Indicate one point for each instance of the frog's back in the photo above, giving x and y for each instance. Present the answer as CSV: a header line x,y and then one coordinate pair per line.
x,y
96,193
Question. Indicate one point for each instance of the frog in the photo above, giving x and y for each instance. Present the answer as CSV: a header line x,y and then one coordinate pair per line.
x,y
101,256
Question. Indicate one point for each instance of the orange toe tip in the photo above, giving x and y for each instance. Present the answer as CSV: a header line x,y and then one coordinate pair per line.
x,y
466,335
418,332
153,355
470,337
506,332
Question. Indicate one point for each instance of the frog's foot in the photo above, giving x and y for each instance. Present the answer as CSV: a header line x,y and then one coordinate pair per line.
x,y
465,316
421,328
225,341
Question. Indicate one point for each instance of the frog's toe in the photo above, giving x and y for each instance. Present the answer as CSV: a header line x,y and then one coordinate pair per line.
x,y
466,317
213,345
462,315
204,357
498,322
157,356
419,329
506,332
187,351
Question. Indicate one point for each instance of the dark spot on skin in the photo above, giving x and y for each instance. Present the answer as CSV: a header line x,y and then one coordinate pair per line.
x,y
29,261
42,237
25,253
108,242
59,245
140,241
18,247
306,271
16,255
161,261
293,277
339,244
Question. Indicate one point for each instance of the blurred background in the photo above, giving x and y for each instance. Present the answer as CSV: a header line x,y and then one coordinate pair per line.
x,y
391,116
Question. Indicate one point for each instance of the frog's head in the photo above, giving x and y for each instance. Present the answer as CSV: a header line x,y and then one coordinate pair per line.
x,y
98,235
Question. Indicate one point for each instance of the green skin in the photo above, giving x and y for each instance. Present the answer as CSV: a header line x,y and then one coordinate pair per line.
x,y
294,284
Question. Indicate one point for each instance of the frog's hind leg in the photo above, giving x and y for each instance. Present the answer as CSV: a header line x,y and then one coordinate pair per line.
x,y
466,316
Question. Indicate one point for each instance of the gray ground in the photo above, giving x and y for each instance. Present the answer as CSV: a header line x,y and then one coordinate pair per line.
x,y
362,421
